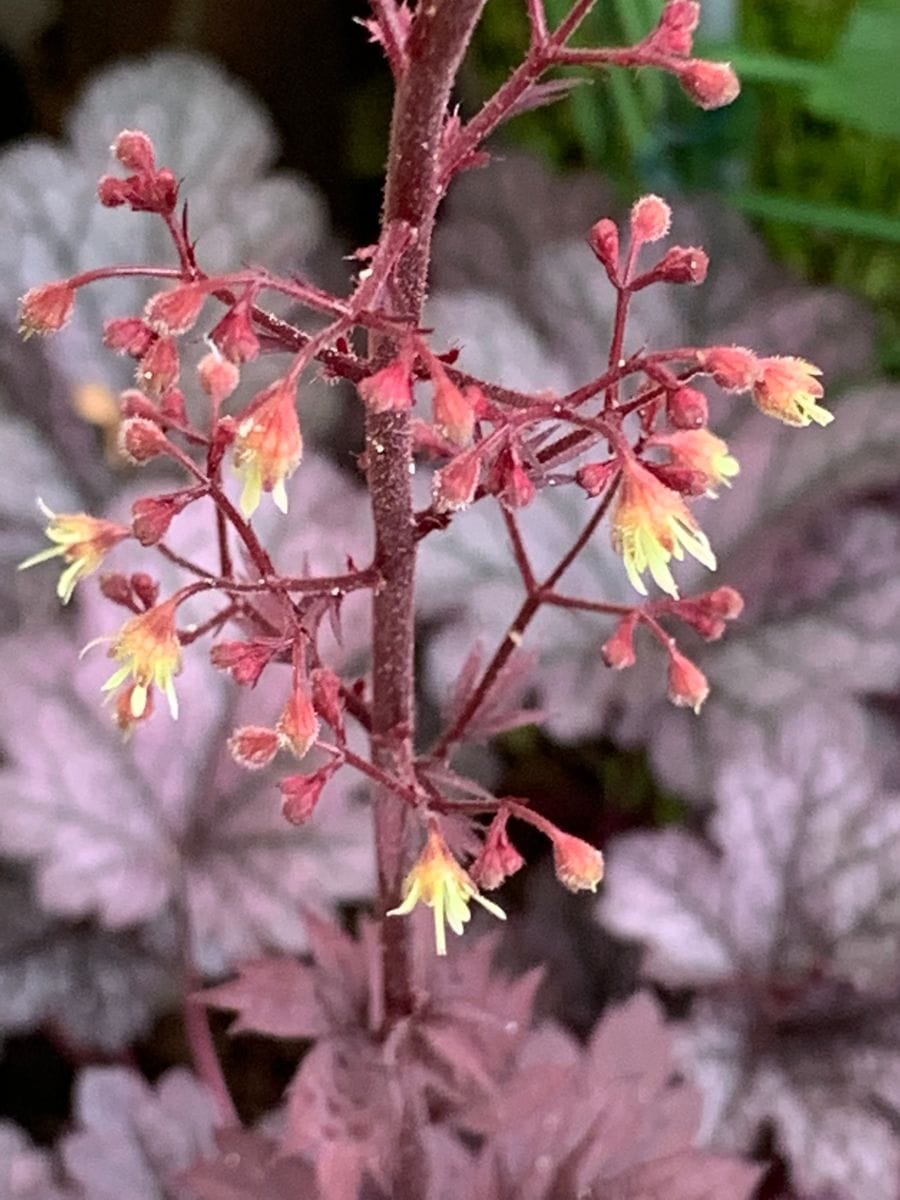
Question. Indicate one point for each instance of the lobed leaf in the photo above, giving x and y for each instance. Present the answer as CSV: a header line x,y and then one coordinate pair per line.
x,y
787,928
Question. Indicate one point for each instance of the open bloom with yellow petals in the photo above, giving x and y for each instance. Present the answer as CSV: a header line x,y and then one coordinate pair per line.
x,y
149,649
438,881
82,541
268,446
699,450
653,525
787,388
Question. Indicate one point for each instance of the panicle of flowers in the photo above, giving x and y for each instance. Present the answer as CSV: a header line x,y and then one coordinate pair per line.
x,y
498,858
635,440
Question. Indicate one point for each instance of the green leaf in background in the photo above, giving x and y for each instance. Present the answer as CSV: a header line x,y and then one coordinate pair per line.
x,y
860,88
833,217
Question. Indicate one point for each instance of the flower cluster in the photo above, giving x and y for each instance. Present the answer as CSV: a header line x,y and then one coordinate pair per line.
x,y
482,441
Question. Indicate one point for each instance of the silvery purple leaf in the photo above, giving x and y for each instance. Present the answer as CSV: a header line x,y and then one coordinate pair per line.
x,y
212,133
118,829
787,927
99,989
135,1139
27,1173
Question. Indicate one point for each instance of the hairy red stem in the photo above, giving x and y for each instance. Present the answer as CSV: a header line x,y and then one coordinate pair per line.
x,y
438,39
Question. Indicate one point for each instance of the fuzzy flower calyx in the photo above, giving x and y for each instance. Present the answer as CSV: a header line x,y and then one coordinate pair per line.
x,y
268,446
788,388
701,451
653,525
81,541
46,309
688,686
438,881
578,864
150,653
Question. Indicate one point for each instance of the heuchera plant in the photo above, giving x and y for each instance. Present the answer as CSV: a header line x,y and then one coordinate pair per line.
x,y
634,438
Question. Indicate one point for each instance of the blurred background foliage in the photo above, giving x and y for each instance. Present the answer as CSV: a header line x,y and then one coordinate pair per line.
x,y
811,151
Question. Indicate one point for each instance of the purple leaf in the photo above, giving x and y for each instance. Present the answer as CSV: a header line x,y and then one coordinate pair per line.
x,y
272,996
27,1173
99,989
135,1140
607,1124
789,932
248,1167
114,828
211,132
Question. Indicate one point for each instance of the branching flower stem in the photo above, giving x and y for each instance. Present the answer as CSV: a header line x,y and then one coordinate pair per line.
x,y
536,594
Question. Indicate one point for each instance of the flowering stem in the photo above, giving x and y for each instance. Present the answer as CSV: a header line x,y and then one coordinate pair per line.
x,y
537,595
196,1020
437,41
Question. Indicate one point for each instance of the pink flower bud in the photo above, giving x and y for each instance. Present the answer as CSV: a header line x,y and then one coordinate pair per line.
x,y
509,481
234,334
578,865
151,516
133,403
113,192
390,389
298,725
327,699
596,477
683,264
498,858
725,602
253,746
135,151
159,368
245,660
687,408
218,376
172,406
454,412
146,588
604,241
676,27
710,84
688,686
162,196
618,650
650,219
116,587
46,309
175,311
128,335
140,439
300,795
732,367
454,485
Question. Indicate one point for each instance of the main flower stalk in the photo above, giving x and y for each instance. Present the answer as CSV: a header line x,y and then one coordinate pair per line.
x,y
437,43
